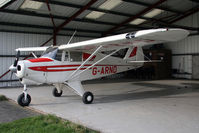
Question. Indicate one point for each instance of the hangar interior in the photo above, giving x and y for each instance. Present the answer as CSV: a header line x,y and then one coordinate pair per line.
x,y
29,23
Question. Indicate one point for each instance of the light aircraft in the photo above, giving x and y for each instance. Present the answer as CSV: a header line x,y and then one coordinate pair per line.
x,y
70,64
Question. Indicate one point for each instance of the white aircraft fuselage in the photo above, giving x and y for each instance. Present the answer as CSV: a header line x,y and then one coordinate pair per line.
x,y
50,71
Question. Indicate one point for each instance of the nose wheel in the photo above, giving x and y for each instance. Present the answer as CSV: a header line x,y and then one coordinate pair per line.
x,y
24,99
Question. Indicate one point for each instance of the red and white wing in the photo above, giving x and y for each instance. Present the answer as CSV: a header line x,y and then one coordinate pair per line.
x,y
139,38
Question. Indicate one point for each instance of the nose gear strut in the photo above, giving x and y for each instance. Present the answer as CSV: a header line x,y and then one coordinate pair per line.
x,y
24,99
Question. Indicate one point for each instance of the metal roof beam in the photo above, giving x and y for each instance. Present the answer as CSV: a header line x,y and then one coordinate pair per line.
x,y
45,33
75,15
90,8
186,14
46,27
93,9
29,13
51,16
147,5
134,17
108,11
54,26
160,22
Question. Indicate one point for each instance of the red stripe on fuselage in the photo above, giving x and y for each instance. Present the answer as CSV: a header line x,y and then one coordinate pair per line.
x,y
40,60
45,68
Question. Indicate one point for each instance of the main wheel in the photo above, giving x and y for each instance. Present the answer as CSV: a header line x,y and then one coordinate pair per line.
x,y
87,97
21,100
55,93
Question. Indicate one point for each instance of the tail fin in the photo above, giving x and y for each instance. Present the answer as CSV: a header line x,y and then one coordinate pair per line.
x,y
134,53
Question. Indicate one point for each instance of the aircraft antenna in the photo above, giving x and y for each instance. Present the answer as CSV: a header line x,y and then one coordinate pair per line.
x,y
72,37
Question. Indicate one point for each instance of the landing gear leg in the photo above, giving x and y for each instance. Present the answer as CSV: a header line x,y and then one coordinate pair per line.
x,y
24,99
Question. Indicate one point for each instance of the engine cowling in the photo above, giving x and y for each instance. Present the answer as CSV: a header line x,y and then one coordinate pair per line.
x,y
20,69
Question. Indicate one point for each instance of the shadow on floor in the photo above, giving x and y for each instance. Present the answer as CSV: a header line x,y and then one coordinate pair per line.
x,y
159,91
145,92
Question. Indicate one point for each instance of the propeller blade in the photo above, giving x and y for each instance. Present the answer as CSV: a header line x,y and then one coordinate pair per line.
x,y
11,76
17,58
10,79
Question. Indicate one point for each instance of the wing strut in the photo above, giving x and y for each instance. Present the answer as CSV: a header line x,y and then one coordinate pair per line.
x,y
71,76
95,63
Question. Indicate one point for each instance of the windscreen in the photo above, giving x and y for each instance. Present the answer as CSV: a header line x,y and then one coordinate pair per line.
x,y
50,52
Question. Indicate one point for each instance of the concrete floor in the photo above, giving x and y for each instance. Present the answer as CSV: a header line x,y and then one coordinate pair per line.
x,y
160,106
10,111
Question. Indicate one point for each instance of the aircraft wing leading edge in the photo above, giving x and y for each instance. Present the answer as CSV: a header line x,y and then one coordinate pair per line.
x,y
32,49
139,38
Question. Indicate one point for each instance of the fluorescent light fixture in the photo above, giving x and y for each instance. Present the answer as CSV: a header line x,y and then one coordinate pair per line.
x,y
28,4
3,2
94,15
137,21
110,4
153,13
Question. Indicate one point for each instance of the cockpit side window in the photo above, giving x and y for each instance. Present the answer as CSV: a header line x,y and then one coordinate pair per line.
x,y
58,55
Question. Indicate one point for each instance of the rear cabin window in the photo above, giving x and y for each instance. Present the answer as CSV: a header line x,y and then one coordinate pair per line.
x,y
76,56
66,57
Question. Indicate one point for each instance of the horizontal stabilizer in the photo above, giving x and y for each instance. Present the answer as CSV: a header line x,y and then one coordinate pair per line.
x,y
144,61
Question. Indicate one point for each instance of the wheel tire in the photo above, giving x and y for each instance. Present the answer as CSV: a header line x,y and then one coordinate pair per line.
x,y
55,93
21,100
87,98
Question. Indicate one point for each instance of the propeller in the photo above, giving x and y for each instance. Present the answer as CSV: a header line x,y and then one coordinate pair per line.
x,y
17,58
10,79
13,68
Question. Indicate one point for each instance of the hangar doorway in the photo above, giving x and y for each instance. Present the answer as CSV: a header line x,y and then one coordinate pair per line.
x,y
195,66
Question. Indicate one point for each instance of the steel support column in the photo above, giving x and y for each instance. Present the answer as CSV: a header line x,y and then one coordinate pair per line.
x,y
54,37
54,26
75,15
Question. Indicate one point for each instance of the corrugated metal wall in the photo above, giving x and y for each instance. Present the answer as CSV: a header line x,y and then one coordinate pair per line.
x,y
184,50
10,41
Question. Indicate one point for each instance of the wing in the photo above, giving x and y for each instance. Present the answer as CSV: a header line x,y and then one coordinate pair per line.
x,y
139,38
32,49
